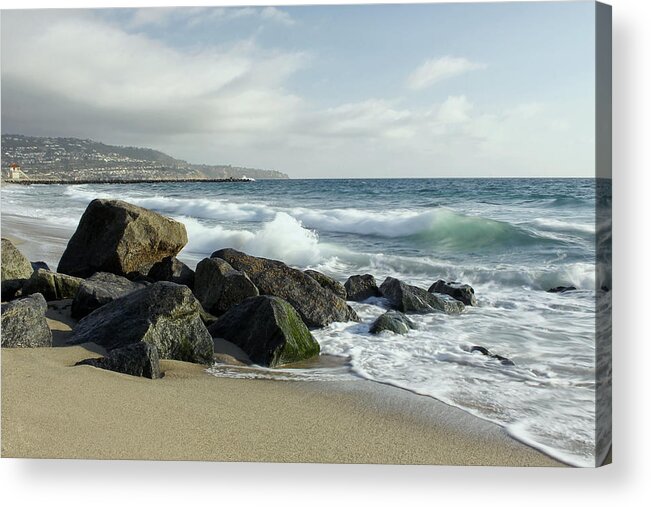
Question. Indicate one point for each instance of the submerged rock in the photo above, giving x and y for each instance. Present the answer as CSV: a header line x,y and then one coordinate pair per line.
x,y
170,269
327,283
484,351
561,289
459,291
393,321
53,286
163,314
219,287
408,298
24,324
268,329
361,287
117,237
317,306
15,270
98,290
138,359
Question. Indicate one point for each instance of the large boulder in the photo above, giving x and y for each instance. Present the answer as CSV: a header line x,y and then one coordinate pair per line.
x,y
120,238
459,291
317,306
408,298
361,287
268,329
170,269
327,283
98,290
219,287
138,359
53,286
24,324
163,314
15,270
393,321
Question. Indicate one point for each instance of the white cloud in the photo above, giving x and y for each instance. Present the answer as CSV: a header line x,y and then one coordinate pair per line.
x,y
455,110
193,16
435,70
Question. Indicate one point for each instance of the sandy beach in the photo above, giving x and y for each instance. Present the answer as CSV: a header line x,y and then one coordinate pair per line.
x,y
51,409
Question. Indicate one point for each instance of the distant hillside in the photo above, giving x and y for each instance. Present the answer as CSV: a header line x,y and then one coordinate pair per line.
x,y
68,158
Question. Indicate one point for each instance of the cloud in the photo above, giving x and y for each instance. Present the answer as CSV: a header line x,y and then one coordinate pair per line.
x,y
78,74
194,16
437,69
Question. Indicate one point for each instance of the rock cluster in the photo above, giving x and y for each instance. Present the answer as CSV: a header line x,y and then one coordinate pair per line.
x,y
143,305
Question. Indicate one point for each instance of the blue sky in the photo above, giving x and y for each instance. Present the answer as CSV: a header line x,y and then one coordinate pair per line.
x,y
503,89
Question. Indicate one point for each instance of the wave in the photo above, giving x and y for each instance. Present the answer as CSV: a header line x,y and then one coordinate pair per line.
x,y
554,225
440,228
284,238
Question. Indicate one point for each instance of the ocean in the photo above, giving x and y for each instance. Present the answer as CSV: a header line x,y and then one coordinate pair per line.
x,y
511,239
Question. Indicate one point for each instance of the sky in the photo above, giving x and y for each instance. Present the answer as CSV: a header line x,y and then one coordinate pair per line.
x,y
429,90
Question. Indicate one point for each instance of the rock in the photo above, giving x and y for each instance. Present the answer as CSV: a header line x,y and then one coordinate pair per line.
x,y
327,283
118,237
268,329
219,287
98,290
361,287
170,269
483,350
53,286
24,324
562,289
393,321
459,291
138,359
317,306
15,270
40,265
408,298
163,314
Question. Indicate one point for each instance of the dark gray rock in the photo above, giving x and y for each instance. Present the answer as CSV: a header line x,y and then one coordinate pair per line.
x,y
484,351
219,287
459,291
15,270
98,290
138,359
361,287
327,283
561,289
118,237
393,321
53,286
24,324
408,298
163,314
40,265
317,306
170,269
268,329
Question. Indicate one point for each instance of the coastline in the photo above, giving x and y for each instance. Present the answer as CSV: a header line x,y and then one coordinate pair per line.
x,y
51,409
54,410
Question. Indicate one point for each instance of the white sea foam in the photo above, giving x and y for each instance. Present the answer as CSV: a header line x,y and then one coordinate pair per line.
x,y
282,238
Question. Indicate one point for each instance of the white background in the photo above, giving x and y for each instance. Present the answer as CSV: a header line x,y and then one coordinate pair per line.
x,y
626,482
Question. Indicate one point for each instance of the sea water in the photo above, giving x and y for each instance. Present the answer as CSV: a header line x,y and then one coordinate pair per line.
x,y
511,239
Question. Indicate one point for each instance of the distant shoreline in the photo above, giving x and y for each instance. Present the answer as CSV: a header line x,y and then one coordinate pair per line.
x,y
126,181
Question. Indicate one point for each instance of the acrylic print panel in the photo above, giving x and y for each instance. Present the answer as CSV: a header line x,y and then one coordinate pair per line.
x,y
342,234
